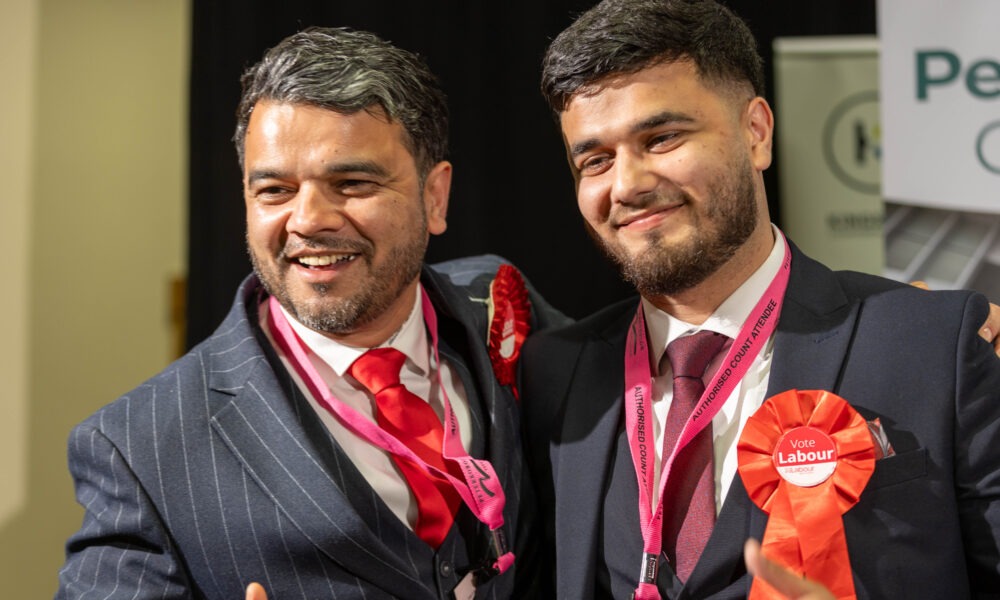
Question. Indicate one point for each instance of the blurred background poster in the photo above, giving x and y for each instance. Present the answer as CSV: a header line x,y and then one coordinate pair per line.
x,y
829,148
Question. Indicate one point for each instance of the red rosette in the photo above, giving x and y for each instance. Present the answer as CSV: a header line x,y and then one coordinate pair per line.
x,y
509,314
799,433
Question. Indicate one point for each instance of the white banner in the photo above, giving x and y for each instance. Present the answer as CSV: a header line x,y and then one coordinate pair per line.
x,y
940,82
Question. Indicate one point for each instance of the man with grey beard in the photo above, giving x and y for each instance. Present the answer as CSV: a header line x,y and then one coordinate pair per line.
x,y
637,416
351,429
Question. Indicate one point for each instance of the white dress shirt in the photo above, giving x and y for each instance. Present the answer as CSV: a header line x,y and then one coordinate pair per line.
x,y
419,374
748,395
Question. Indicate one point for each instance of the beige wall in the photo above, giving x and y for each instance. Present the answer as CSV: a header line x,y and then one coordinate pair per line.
x,y
92,229
18,35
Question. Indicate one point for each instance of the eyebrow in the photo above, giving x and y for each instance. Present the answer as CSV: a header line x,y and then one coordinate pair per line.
x,y
657,120
361,166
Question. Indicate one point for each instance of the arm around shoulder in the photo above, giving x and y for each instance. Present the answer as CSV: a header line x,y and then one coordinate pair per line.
x,y
977,453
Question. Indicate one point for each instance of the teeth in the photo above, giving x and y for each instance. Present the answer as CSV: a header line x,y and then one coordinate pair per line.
x,y
322,261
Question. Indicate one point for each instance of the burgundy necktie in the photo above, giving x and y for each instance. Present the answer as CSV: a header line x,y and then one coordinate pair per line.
x,y
414,423
689,498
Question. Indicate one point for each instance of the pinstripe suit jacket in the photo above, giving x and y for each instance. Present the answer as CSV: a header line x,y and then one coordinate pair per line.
x,y
216,473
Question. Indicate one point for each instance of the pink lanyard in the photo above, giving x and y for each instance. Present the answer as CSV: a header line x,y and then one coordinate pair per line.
x,y
481,490
638,387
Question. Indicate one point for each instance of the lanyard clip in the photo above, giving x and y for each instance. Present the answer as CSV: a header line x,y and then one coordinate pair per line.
x,y
650,567
501,561
498,541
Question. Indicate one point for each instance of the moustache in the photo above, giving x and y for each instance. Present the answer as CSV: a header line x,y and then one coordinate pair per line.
x,y
328,243
655,200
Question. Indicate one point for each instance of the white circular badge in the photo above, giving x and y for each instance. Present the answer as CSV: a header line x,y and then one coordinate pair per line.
x,y
805,456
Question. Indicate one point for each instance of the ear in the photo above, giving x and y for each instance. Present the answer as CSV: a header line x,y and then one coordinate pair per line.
x,y
437,187
760,132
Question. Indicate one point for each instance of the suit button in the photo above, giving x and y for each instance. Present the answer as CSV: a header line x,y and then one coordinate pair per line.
x,y
445,569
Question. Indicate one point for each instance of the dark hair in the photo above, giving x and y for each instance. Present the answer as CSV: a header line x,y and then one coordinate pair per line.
x,y
347,71
619,37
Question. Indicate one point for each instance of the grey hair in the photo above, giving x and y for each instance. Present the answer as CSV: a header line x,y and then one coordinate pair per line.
x,y
346,71
621,37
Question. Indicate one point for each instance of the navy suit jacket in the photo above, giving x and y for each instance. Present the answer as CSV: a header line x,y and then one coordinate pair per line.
x,y
928,523
217,472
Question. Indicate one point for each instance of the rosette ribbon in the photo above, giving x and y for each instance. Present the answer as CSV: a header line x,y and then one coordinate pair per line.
x,y
805,528
509,314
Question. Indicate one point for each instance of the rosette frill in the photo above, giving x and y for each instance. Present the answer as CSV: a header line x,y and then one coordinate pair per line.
x,y
509,314
805,529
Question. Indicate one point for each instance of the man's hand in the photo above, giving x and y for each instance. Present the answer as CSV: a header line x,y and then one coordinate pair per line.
x,y
990,331
255,591
781,579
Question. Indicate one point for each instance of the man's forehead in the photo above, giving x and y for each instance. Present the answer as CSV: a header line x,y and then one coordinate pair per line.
x,y
375,109
650,74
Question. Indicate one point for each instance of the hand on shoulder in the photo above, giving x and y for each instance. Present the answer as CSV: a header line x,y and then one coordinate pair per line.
x,y
990,331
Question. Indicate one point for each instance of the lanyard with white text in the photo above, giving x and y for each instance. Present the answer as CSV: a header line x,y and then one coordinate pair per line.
x,y
481,490
638,387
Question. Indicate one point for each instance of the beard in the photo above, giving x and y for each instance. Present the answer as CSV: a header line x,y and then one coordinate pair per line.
x,y
342,312
726,224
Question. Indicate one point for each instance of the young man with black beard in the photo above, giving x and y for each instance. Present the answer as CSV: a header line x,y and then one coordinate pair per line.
x,y
667,135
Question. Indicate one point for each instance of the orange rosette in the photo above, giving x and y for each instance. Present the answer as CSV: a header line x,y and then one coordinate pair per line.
x,y
818,441
509,314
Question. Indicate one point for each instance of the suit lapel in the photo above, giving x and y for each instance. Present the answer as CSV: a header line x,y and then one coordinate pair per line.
x,y
589,432
811,343
462,327
814,330
299,468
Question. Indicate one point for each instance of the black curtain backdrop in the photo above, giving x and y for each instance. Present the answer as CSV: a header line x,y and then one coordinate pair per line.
x,y
512,193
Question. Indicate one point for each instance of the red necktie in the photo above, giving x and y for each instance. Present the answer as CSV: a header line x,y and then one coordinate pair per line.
x,y
414,423
689,498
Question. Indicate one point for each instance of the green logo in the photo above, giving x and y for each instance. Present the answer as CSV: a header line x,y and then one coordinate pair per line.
x,y
852,142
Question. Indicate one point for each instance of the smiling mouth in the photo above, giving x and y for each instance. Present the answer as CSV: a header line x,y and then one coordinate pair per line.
x,y
325,260
642,218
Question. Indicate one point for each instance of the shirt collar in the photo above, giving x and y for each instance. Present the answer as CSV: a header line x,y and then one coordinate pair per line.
x,y
411,340
663,328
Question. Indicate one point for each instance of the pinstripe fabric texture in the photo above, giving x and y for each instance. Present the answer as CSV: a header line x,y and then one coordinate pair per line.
x,y
216,472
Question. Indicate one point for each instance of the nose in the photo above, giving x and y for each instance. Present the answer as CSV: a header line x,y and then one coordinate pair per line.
x,y
315,210
632,178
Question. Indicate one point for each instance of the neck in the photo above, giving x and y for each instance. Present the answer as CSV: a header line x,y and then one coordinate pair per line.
x,y
694,305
